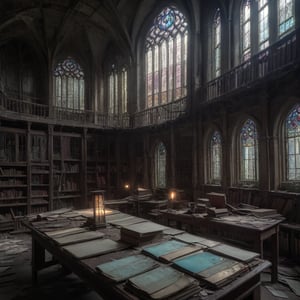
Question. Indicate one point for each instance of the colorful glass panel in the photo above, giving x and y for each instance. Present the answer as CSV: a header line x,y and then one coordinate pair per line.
x,y
292,134
68,84
167,42
249,152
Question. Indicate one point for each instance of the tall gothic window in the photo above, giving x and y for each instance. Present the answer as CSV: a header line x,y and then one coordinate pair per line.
x,y
286,16
160,165
217,43
166,58
246,30
248,152
117,91
292,142
68,84
215,163
263,24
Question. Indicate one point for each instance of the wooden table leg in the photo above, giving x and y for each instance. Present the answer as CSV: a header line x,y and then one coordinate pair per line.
x,y
275,254
37,260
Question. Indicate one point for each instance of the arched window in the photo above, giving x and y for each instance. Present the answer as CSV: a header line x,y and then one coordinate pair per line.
x,y
217,44
117,90
68,84
286,16
160,165
215,161
248,153
166,58
246,30
292,142
263,24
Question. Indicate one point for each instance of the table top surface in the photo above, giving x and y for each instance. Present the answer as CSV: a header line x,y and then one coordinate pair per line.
x,y
243,221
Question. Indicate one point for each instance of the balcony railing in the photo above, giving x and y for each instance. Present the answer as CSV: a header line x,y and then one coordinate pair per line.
x,y
23,107
160,114
274,58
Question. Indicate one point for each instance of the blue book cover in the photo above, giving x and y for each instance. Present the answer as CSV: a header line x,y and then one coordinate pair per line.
x,y
198,262
123,268
164,248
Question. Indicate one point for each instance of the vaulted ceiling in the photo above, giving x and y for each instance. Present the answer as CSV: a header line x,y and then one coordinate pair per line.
x,y
92,25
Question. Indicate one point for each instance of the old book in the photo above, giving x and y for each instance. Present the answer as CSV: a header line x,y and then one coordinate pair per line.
x,y
65,232
159,283
78,237
94,248
142,229
170,250
234,252
198,262
213,269
124,268
194,239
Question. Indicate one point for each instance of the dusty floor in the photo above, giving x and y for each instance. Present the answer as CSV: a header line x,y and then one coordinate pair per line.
x,y
55,285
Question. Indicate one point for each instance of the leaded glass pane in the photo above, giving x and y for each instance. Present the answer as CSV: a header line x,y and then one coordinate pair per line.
x,y
292,133
249,152
160,166
286,15
217,43
215,157
68,78
263,24
164,41
246,30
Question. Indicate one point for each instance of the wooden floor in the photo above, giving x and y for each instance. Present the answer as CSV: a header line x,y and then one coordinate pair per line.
x,y
54,284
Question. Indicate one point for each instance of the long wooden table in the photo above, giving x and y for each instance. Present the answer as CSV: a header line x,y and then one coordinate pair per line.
x,y
244,285
236,230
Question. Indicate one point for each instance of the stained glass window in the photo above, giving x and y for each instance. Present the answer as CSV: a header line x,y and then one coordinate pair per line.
x,y
286,16
292,134
248,152
166,57
117,90
68,84
215,157
246,29
217,43
263,24
160,165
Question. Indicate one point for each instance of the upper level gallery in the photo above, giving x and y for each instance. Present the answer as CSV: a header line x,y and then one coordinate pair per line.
x,y
155,66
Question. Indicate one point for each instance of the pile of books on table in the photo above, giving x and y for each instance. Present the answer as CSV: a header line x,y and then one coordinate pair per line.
x,y
141,233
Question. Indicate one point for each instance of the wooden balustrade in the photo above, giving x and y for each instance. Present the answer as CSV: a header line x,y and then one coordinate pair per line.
x,y
160,114
278,56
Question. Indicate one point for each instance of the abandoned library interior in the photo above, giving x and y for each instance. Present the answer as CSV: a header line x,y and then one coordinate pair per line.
x,y
149,150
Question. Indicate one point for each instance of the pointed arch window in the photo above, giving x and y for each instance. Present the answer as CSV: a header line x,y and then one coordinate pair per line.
x,y
217,44
246,30
166,58
248,153
263,24
117,90
69,84
286,16
160,165
215,162
292,144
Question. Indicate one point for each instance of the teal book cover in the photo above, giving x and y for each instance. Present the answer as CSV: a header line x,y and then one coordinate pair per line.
x,y
198,262
121,269
164,248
